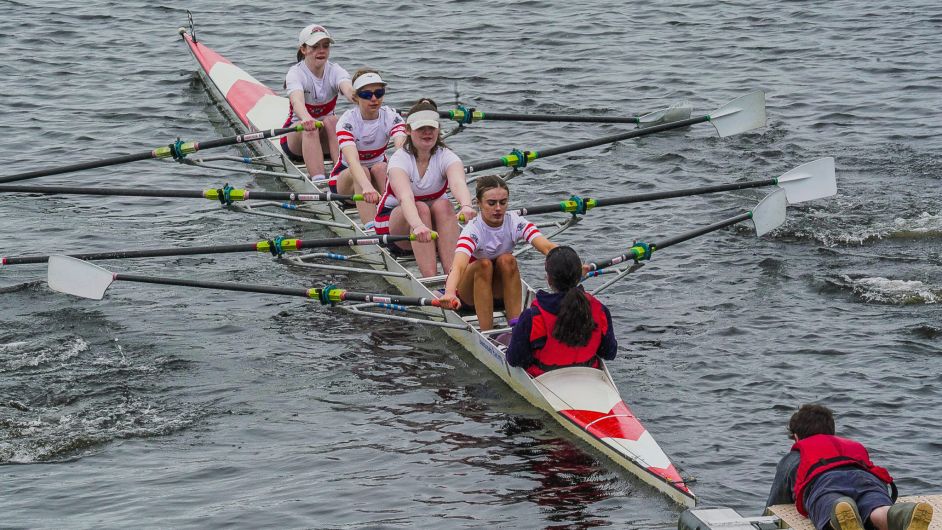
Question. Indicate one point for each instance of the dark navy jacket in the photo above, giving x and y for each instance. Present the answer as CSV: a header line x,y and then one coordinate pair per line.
x,y
520,352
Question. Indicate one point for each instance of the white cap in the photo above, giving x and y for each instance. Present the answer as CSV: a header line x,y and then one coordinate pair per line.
x,y
313,34
423,118
369,78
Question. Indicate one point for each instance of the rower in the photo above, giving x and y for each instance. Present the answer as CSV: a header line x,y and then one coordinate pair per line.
x,y
364,132
312,86
567,327
484,267
419,175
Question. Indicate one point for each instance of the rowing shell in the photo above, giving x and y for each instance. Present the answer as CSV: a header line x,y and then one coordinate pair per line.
x,y
583,400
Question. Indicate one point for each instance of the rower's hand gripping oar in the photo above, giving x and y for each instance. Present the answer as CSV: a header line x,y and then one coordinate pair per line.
x,y
80,278
225,195
813,180
276,247
768,215
177,150
739,115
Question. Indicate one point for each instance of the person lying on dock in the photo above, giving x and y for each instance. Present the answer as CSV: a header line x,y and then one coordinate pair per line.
x,y
832,481
567,327
484,268
414,200
312,86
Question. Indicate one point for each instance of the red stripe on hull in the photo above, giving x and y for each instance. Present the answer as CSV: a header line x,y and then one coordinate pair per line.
x,y
206,57
244,95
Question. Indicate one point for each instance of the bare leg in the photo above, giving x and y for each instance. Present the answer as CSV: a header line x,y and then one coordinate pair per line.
x,y
311,150
347,185
476,286
329,138
424,252
512,288
878,517
443,217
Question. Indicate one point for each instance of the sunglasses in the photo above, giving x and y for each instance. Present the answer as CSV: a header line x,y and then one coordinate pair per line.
x,y
368,94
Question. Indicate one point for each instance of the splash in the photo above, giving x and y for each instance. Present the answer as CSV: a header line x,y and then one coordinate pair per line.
x,y
900,292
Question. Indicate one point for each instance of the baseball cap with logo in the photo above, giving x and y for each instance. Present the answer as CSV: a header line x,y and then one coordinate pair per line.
x,y
313,34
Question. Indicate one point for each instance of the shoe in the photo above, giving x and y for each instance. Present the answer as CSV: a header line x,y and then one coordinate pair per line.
x,y
909,516
844,515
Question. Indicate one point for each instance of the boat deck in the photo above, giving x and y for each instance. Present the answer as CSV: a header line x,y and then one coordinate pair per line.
x,y
790,518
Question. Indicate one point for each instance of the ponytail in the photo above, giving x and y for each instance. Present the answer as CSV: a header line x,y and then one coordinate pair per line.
x,y
574,323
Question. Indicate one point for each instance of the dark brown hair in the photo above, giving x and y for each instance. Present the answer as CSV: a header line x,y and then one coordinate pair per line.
x,y
423,104
574,323
811,419
488,182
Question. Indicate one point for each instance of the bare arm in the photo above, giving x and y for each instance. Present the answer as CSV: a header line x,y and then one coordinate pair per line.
x,y
543,245
402,187
458,268
346,88
458,184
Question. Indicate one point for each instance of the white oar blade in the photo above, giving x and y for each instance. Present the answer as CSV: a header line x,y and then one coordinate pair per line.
x,y
769,214
79,278
740,115
814,180
676,112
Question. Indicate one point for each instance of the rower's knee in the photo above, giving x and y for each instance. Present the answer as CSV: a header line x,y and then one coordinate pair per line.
x,y
485,268
506,263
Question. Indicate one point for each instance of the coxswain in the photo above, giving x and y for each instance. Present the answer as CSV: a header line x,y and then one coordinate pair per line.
x,y
484,267
832,481
414,201
364,133
566,327
312,86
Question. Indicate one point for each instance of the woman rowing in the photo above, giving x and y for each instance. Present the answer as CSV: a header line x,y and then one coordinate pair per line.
x,y
364,132
484,267
567,327
419,174
312,86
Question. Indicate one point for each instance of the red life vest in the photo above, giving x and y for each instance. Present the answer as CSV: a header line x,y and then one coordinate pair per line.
x,y
822,452
554,354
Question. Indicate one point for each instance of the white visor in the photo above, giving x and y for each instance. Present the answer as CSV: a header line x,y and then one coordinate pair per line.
x,y
313,34
423,118
370,78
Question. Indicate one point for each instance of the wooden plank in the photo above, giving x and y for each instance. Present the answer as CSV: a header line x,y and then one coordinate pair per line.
x,y
790,517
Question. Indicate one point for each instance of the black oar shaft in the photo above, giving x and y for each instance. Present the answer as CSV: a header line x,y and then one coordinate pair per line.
x,y
700,231
162,152
568,118
484,165
288,244
122,192
248,288
659,195
387,299
237,195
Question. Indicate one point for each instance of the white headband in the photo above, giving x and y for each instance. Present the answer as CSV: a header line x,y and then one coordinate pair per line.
x,y
368,79
423,118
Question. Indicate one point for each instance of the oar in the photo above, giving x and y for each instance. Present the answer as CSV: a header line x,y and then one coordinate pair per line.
x,y
87,280
176,150
739,115
667,114
275,247
814,180
768,215
225,195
